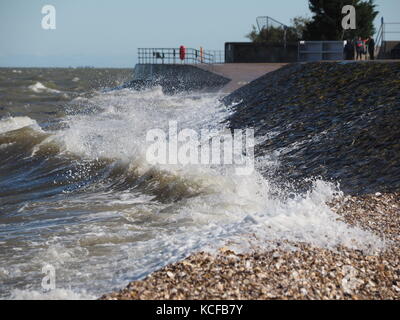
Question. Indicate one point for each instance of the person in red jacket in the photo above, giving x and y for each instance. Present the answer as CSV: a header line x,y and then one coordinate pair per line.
x,y
360,48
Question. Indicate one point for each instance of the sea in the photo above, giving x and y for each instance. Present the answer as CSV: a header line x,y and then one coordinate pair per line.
x,y
83,211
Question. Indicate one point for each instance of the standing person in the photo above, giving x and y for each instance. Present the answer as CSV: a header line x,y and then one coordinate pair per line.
x,y
349,50
371,48
353,51
360,48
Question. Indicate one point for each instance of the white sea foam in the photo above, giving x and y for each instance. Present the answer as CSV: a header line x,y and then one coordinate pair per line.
x,y
38,87
57,294
6,145
15,123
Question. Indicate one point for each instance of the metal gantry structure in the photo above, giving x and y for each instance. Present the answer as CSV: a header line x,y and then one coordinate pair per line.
x,y
266,23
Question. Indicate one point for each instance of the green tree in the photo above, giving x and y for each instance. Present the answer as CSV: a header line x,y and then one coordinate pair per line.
x,y
326,23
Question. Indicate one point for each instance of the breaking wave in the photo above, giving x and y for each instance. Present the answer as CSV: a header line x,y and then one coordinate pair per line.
x,y
11,124
38,87
84,199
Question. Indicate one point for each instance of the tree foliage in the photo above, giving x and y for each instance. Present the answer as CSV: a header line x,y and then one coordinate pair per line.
x,y
326,23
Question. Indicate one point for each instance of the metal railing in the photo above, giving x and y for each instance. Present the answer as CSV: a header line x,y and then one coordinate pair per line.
x,y
382,38
172,56
385,29
219,56
388,28
320,50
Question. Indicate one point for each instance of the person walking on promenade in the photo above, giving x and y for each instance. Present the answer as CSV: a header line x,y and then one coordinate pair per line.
x,y
371,48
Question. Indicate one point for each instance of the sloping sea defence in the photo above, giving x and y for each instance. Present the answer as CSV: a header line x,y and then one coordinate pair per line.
x,y
175,78
339,121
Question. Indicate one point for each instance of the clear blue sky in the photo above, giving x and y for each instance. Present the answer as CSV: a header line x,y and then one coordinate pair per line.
x,y
107,33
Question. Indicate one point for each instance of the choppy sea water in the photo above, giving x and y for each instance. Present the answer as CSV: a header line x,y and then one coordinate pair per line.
x,y
77,193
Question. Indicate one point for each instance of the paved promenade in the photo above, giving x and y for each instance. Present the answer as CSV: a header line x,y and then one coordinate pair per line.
x,y
241,73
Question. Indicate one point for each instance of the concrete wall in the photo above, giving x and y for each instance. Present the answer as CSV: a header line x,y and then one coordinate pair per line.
x,y
249,52
389,50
